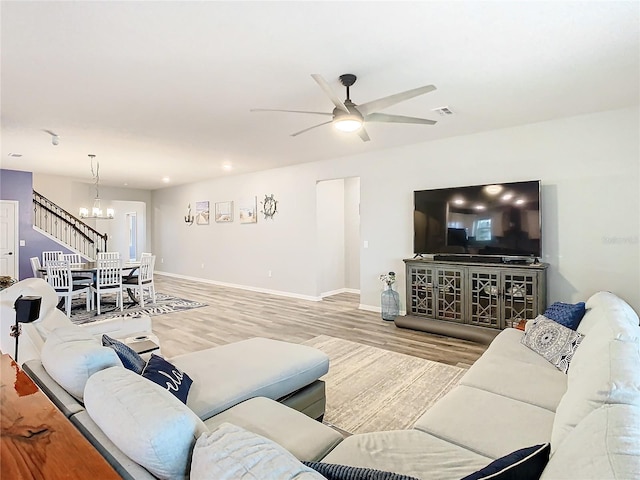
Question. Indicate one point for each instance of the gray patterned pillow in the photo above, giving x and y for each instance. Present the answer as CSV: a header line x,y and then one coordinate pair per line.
x,y
555,342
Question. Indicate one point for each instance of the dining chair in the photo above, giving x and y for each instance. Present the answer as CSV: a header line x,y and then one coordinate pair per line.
x,y
47,256
146,254
35,267
144,280
75,260
108,280
60,278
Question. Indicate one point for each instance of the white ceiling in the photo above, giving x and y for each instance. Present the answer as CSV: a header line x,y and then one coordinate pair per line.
x,y
164,88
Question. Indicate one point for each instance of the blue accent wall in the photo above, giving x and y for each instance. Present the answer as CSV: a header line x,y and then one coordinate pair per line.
x,y
18,186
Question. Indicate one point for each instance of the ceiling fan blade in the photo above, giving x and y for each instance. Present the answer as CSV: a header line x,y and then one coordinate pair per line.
x,y
385,102
310,128
327,89
288,111
384,117
362,133
50,132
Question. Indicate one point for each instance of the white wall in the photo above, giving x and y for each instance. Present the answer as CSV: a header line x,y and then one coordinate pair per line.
x,y
352,233
589,169
330,218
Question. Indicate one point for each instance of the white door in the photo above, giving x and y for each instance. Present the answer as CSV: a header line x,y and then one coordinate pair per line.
x,y
9,238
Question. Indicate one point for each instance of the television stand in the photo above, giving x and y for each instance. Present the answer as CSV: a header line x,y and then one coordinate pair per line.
x,y
463,293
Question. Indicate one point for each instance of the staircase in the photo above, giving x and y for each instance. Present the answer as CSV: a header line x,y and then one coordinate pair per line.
x,y
67,229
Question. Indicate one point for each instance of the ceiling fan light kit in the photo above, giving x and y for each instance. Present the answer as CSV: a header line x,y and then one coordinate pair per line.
x,y
349,117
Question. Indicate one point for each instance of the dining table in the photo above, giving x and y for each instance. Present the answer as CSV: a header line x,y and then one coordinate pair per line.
x,y
92,267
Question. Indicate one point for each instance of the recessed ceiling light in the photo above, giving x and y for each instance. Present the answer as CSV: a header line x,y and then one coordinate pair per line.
x,y
226,166
520,201
166,179
459,201
493,189
507,196
479,207
15,155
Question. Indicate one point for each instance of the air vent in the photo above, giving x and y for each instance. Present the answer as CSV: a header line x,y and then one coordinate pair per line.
x,y
443,111
15,155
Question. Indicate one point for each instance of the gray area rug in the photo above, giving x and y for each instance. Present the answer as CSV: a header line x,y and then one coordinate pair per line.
x,y
370,389
164,304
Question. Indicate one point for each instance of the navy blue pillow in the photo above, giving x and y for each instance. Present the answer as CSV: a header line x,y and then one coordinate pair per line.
x,y
168,376
129,358
566,314
524,464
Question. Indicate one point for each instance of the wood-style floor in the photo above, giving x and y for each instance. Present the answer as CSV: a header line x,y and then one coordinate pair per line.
x,y
233,314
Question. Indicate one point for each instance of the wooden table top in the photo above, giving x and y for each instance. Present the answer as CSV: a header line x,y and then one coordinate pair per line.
x,y
36,440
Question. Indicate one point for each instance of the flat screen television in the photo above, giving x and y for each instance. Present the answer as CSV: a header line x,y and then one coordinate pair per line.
x,y
495,220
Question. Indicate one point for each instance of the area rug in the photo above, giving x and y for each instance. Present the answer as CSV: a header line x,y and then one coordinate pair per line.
x,y
370,389
164,304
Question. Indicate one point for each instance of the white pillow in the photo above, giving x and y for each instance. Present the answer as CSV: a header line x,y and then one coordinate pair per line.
x,y
70,356
612,378
233,453
146,422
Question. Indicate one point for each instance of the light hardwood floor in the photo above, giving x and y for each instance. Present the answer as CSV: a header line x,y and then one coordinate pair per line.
x,y
233,314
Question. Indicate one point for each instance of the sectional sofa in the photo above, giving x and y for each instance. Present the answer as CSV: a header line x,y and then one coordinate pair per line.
x,y
510,399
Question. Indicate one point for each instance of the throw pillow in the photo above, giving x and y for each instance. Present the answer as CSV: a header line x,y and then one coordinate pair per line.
x,y
149,425
524,464
555,342
167,375
129,358
566,314
332,471
230,452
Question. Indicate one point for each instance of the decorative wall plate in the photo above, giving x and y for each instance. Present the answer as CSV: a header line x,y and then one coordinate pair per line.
x,y
269,206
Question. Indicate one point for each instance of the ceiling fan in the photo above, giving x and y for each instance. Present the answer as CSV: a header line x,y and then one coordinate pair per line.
x,y
349,117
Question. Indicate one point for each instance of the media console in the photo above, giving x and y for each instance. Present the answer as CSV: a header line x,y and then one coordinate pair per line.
x,y
471,300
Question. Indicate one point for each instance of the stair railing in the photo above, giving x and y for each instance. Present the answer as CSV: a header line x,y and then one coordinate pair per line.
x,y
70,230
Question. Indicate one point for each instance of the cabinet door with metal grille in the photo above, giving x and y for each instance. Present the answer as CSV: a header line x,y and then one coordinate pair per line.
x,y
449,294
421,291
519,302
484,297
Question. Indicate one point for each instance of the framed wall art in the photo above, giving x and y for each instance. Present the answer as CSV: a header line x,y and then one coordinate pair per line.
x,y
224,212
202,213
247,209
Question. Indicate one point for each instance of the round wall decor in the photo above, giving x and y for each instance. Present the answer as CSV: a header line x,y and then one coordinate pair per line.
x,y
269,206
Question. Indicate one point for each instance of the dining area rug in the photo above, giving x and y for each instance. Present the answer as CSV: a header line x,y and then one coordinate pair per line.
x,y
164,304
370,389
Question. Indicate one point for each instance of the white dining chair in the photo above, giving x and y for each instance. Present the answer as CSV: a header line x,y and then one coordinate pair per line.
x,y
146,254
144,280
75,260
35,267
47,256
108,255
108,281
60,278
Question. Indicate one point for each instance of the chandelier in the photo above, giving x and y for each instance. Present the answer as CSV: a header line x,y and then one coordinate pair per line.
x,y
96,210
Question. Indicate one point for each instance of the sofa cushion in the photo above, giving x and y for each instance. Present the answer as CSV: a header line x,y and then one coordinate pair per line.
x,y
486,423
305,438
143,420
553,341
507,345
514,380
524,464
168,376
127,355
613,378
230,453
607,307
258,367
407,452
567,314
70,356
603,445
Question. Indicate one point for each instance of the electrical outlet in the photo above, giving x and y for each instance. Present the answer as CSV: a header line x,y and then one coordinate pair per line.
x,y
269,274
202,266
162,260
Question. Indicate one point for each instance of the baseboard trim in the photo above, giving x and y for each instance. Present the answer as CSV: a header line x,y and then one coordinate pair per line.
x,y
338,291
376,309
279,293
